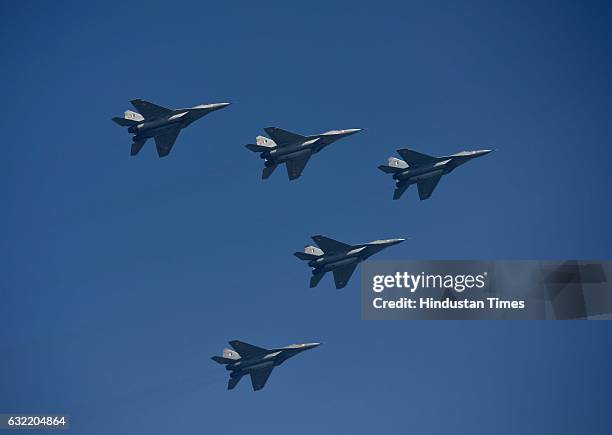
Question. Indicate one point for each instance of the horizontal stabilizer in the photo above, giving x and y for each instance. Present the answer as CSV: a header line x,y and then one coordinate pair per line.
x,y
257,148
221,360
124,122
388,169
304,256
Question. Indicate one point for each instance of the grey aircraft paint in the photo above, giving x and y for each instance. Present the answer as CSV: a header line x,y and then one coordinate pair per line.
x,y
423,170
339,258
160,123
292,149
258,362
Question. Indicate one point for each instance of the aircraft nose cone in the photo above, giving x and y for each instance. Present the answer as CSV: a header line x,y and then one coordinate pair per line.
x,y
396,241
484,152
217,106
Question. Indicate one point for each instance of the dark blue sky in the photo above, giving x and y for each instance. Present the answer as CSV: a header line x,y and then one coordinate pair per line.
x,y
121,276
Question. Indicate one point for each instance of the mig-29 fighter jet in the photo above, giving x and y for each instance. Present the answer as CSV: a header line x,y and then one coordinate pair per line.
x,y
339,258
292,149
423,170
160,123
247,359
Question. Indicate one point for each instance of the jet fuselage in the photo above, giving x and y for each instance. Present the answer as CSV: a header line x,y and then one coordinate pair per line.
x,y
331,261
272,358
279,155
310,145
442,166
356,254
152,128
149,128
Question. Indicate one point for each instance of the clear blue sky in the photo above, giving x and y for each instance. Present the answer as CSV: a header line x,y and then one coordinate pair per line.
x,y
121,276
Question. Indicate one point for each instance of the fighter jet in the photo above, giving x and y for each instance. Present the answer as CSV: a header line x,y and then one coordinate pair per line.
x,y
423,170
160,123
258,362
292,149
338,257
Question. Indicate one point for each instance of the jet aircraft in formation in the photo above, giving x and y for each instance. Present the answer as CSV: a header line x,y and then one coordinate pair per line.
x,y
258,362
423,170
339,258
160,123
292,149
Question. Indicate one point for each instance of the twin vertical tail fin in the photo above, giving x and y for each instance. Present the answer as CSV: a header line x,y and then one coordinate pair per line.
x,y
229,356
129,118
393,165
310,253
262,144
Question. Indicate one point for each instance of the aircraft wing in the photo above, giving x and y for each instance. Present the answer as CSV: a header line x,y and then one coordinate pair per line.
x,y
284,137
414,158
427,186
260,376
165,140
150,110
343,274
296,166
330,245
245,349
